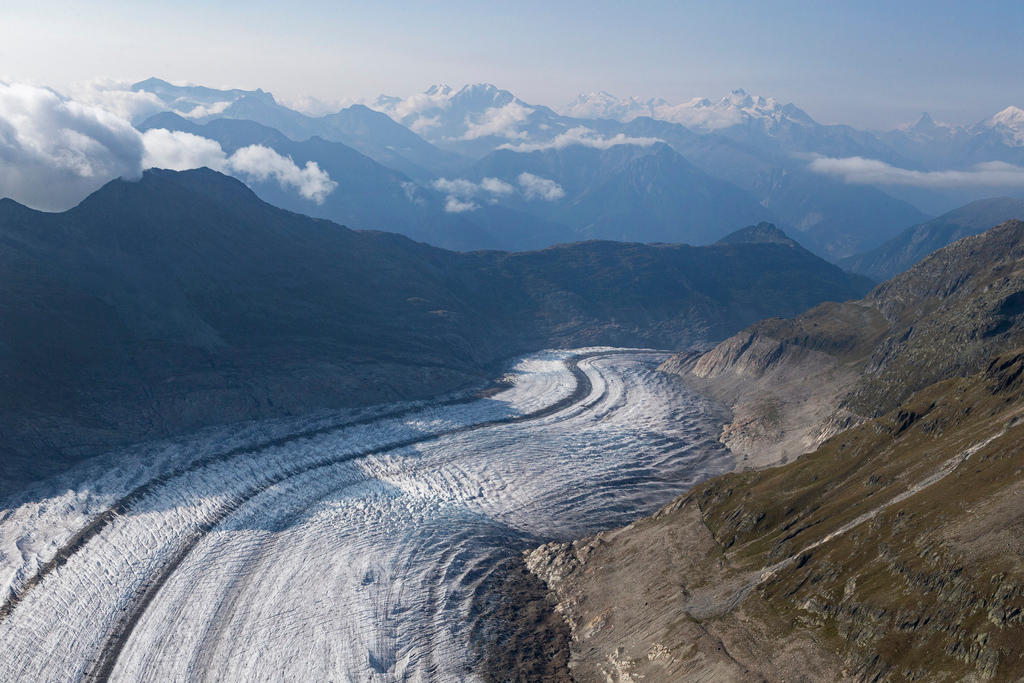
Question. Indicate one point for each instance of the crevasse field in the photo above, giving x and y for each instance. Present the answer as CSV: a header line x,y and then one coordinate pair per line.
x,y
346,546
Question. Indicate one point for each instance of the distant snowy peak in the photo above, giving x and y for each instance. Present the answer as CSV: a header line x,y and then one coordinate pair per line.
x,y
603,105
701,113
927,129
443,114
1011,117
1005,127
735,109
197,101
1009,124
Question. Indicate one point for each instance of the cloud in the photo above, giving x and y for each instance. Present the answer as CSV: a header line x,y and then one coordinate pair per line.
x,y
859,170
55,151
412,192
201,110
180,151
580,135
262,163
498,121
535,187
497,186
461,193
315,106
424,123
459,187
456,205
119,99
435,98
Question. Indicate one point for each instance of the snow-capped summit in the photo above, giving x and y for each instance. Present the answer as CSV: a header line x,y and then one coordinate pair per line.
x,y
1008,124
926,129
700,113
737,108
1011,117
924,123
604,105
439,89
473,119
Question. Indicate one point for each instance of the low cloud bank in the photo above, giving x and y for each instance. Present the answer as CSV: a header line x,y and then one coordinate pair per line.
x,y
581,135
460,193
859,170
54,151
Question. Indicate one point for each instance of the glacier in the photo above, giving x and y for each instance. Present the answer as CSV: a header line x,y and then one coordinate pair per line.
x,y
346,545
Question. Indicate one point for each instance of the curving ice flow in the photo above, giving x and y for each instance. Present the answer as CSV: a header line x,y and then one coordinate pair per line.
x,y
344,546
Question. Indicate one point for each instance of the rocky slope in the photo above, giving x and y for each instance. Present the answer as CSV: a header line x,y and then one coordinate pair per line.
x,y
792,383
182,300
891,551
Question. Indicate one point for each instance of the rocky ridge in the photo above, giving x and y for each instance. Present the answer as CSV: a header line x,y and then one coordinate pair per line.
x,y
793,382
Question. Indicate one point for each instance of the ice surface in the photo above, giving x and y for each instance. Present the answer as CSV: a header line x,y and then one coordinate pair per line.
x,y
318,549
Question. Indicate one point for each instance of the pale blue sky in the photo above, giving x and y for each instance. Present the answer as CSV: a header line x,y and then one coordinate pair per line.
x,y
866,63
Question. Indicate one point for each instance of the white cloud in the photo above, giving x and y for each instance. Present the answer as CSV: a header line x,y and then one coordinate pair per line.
x,y
461,192
412,192
180,151
401,109
535,187
117,98
499,121
580,135
315,106
497,186
261,163
859,170
201,110
55,151
424,123
459,187
456,205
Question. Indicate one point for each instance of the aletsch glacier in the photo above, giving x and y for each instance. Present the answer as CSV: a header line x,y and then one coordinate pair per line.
x,y
342,546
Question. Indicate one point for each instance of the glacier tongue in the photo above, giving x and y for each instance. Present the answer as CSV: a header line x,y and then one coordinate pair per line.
x,y
351,552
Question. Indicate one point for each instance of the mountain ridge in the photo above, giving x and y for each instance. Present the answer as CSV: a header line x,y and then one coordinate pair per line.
x,y
180,300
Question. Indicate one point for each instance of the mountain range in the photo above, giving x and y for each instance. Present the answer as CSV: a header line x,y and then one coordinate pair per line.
x,y
755,144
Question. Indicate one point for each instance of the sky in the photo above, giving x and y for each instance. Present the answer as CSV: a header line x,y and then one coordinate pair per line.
x,y
866,63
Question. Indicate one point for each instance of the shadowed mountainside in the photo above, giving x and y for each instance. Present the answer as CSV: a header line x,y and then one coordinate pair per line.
x,y
182,300
914,243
